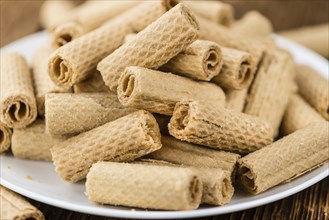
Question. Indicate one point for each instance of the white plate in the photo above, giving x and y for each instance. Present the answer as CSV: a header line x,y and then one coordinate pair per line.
x,y
39,181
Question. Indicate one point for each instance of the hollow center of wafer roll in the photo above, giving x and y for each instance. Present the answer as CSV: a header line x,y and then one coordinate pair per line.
x,y
170,3
18,111
128,84
194,189
64,39
60,69
246,178
212,61
245,75
181,120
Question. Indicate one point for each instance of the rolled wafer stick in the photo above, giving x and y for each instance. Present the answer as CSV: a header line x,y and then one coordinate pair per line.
x,y
124,139
14,206
271,88
235,99
115,183
33,142
314,88
152,47
215,11
42,83
219,128
202,60
66,33
93,84
5,137
68,114
163,121
158,92
18,104
298,115
253,25
238,69
285,159
75,61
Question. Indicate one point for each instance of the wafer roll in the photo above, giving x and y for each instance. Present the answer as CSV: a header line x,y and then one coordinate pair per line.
x,y
215,11
202,60
163,121
219,128
253,25
66,33
124,139
285,159
159,187
152,47
314,88
271,88
33,142
74,62
238,70
68,114
93,84
18,105
227,38
158,92
235,99
42,83
14,206
5,137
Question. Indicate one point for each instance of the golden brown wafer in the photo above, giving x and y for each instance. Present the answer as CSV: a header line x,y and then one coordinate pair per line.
x,y
14,206
219,128
235,99
152,47
158,92
93,84
66,33
144,186
18,104
5,137
124,139
33,142
285,158
68,114
314,88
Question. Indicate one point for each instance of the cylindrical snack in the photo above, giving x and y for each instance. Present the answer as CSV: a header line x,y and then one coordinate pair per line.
x,y
124,139
269,94
66,33
152,47
238,69
18,104
144,186
33,142
5,137
42,83
285,159
74,62
219,128
158,92
68,114
314,88
235,99
14,206
215,11
202,60
253,25
163,121
93,84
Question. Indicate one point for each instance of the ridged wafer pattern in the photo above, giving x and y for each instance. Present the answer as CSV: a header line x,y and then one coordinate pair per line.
x,y
68,114
93,84
219,128
158,92
285,159
124,139
138,185
152,47
235,99
5,140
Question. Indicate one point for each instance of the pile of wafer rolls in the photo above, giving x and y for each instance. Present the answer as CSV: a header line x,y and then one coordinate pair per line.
x,y
163,104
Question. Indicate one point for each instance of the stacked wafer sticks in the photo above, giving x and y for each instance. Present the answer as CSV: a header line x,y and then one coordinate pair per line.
x,y
164,105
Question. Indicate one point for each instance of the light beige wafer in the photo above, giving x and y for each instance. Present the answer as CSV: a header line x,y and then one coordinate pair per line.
x,y
144,186
74,62
68,114
158,92
235,99
66,33
271,88
225,37
219,128
298,115
215,11
253,25
152,47
33,142
314,88
5,137
202,60
163,121
18,104
14,206
94,83
42,83
285,159
124,139
238,69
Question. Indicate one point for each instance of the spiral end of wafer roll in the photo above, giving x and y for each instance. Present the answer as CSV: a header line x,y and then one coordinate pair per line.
x,y
188,14
212,61
60,71
65,33
247,178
